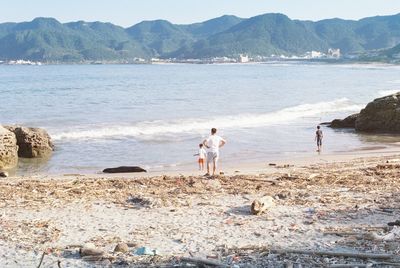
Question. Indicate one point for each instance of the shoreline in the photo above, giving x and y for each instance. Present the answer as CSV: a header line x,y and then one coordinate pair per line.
x,y
244,168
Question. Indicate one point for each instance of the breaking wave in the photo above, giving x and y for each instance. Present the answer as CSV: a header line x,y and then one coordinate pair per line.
x,y
388,92
158,128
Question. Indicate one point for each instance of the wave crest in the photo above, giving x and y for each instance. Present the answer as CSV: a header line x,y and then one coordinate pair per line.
x,y
154,128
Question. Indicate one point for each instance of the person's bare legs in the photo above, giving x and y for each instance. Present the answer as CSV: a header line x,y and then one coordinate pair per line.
x,y
214,165
208,167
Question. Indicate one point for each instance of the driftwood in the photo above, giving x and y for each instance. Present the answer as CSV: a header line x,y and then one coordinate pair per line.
x,y
202,262
91,252
335,254
349,265
41,259
261,205
96,258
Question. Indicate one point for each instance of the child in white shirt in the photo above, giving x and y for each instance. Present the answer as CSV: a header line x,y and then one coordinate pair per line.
x,y
202,156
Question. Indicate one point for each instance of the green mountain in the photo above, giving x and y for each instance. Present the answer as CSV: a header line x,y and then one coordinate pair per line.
x,y
47,40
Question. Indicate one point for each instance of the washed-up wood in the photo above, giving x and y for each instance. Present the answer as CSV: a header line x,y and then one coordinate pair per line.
x,y
91,252
202,262
349,265
334,254
41,260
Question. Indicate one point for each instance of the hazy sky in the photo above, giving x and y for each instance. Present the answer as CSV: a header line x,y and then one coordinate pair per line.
x,y
129,12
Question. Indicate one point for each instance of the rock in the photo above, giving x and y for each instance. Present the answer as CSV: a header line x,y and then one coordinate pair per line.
x,y
348,122
124,169
121,247
3,174
261,205
8,149
380,115
32,142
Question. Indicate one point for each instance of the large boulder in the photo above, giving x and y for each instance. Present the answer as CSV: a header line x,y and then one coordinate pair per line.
x,y
380,115
32,142
8,149
348,122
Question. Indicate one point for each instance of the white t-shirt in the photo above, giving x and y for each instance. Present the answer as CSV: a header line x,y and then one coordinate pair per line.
x,y
202,153
213,143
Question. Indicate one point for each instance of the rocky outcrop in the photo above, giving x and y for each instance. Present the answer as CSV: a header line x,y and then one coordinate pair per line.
x,y
8,149
348,122
32,142
124,169
380,115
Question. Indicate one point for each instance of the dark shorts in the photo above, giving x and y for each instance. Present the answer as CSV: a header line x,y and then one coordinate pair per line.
x,y
319,141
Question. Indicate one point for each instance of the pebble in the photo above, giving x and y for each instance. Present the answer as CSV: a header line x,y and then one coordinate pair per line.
x,y
121,247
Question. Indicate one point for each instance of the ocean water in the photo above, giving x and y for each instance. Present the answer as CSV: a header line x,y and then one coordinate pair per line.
x,y
156,115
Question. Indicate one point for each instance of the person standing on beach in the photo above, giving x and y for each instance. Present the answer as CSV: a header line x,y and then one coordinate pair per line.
x,y
213,143
202,156
318,138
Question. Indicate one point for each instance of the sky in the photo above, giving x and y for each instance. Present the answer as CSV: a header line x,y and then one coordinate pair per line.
x,y
129,12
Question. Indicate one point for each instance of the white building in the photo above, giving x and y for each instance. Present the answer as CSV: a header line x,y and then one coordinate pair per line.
x,y
243,58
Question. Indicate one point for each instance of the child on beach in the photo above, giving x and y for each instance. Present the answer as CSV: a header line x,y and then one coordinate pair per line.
x,y
318,138
202,156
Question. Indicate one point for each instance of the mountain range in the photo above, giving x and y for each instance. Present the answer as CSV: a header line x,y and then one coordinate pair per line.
x,y
48,40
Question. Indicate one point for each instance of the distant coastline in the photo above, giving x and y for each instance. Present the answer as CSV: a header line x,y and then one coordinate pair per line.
x,y
223,39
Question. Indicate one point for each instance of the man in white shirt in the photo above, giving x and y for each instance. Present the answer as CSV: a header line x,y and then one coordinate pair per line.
x,y
213,143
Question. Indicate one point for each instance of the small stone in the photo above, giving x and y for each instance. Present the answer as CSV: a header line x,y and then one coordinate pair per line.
x,y
121,247
3,174
89,245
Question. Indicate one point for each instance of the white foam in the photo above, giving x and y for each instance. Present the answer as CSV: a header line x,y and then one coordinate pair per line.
x,y
151,129
388,92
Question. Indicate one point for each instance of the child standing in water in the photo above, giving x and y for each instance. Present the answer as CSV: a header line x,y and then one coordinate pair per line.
x,y
318,138
202,156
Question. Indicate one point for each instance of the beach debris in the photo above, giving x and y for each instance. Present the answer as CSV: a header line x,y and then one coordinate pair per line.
x,y
124,169
89,249
272,164
360,255
261,205
394,223
41,259
146,251
203,262
140,201
393,235
121,247
3,174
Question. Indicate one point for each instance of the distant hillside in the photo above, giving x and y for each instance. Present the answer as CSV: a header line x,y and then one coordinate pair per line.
x,y
47,40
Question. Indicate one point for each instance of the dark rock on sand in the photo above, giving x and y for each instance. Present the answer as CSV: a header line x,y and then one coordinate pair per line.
x,y
3,174
124,169
380,115
348,122
32,142
8,149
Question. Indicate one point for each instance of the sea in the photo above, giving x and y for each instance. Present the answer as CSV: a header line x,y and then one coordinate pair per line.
x,y
155,116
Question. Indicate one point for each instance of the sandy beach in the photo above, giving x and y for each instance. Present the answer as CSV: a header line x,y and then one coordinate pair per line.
x,y
331,205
